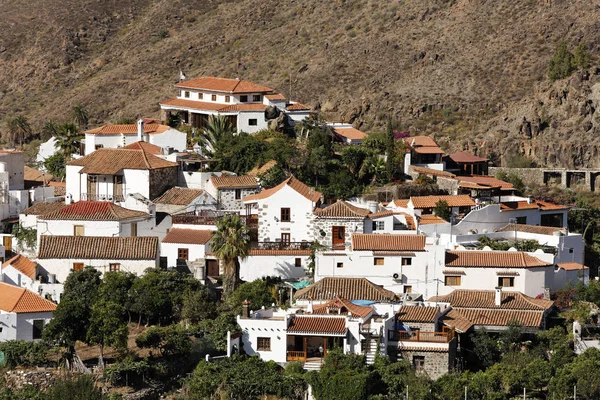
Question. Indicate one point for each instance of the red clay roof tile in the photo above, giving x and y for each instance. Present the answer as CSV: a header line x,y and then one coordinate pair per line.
x,y
93,211
318,325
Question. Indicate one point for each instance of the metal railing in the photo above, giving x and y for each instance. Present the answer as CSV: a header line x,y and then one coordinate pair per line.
x,y
102,197
207,217
418,336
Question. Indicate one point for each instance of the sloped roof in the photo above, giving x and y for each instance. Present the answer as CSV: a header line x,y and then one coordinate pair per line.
x,y
540,230
460,298
461,200
32,174
93,211
243,107
349,288
144,146
462,157
484,180
42,207
387,242
423,145
463,319
297,107
111,161
316,325
99,247
188,236
350,133
431,171
341,306
535,204
20,300
341,209
233,182
127,129
492,259
22,264
227,85
402,203
179,196
262,169
572,266
417,314
454,318
293,183
60,188
431,219
275,96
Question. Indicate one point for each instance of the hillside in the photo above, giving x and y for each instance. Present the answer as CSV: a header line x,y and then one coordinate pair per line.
x,y
465,71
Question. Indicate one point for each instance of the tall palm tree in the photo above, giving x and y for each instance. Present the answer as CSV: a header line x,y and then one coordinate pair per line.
x,y
80,116
218,127
230,242
19,129
68,139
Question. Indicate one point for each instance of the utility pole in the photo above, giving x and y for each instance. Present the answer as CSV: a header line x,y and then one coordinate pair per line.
x,y
465,393
524,394
575,392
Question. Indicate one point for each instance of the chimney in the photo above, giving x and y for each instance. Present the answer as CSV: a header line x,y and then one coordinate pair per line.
x,y
372,206
309,309
245,309
498,296
140,131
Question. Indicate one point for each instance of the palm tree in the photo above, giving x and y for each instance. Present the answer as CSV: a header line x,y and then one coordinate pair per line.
x,y
19,129
67,139
48,130
80,116
230,242
218,127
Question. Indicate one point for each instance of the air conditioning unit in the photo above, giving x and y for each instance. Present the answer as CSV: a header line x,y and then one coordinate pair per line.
x,y
396,276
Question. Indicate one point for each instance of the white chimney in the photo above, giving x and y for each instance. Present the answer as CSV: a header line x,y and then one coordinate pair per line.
x,y
498,297
372,206
309,309
140,132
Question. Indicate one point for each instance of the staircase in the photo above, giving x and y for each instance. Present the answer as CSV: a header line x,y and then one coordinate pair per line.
x,y
370,349
313,364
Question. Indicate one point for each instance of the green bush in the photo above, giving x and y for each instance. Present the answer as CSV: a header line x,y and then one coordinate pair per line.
x,y
561,64
24,354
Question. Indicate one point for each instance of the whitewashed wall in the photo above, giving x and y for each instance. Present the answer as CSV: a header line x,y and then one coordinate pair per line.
x,y
283,266
62,267
14,277
195,251
25,324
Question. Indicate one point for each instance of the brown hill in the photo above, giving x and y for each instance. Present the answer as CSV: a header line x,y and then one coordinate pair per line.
x,y
466,71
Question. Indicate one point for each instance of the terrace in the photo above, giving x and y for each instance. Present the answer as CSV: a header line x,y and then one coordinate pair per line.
x,y
209,217
419,336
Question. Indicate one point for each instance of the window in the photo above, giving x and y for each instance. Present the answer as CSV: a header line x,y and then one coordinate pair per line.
x,y
243,99
227,98
506,281
407,289
570,250
285,215
298,262
257,97
77,266
452,280
263,344
213,97
186,94
78,230
406,261
522,220
114,267
286,238
252,122
419,362
378,261
200,96
38,327
99,146
378,225
134,229
340,265
182,254
238,194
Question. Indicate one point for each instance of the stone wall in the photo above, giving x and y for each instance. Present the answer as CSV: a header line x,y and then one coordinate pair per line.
x,y
423,326
530,176
447,184
355,225
227,200
436,362
161,180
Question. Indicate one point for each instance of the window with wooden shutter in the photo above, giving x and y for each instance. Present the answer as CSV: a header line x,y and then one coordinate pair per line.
x,y
78,230
378,261
134,229
77,266
263,344
114,267
182,254
452,280
286,215
506,281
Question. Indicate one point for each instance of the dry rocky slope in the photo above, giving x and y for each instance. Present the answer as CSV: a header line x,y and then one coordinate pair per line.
x,y
465,71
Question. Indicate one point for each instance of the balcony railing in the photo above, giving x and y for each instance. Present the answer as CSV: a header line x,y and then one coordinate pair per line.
x,y
280,246
296,356
418,336
102,197
207,217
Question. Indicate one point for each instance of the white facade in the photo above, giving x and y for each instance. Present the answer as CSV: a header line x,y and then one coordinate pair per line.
x,y
15,277
195,251
169,138
96,228
134,181
47,150
284,266
61,268
20,326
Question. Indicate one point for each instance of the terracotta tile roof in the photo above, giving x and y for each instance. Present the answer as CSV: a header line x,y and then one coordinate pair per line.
x,y
262,169
461,200
188,236
571,266
297,107
144,146
387,241
428,349
535,204
507,273
348,288
453,272
316,325
547,206
486,299
233,182
22,264
430,219
402,203
276,96
93,211
111,161
462,157
20,300
384,213
420,141
428,150
540,230
492,259
457,320
42,207
343,307
350,133
196,105
341,209
431,171
530,319
227,85
293,183
291,252
127,129
488,181
410,221
99,247
33,175
243,107
417,314
180,196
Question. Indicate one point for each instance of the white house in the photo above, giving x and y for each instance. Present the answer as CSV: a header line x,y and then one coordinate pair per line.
x,y
180,200
570,273
286,263
334,225
112,174
422,151
347,134
28,217
182,245
19,271
353,289
248,106
285,211
23,314
229,190
59,255
150,131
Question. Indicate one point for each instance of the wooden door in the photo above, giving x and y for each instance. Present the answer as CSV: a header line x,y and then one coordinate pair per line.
x,y
286,239
92,186
118,188
212,268
7,242
338,234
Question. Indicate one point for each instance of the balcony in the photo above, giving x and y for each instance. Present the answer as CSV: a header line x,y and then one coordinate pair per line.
x,y
280,246
207,217
102,197
418,336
